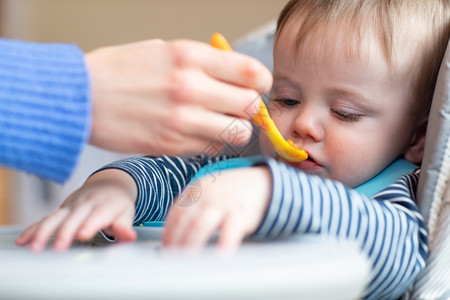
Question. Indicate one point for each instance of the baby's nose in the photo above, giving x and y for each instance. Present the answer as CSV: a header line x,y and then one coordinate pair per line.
x,y
308,124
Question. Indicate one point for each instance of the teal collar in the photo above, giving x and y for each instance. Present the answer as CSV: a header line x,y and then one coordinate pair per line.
x,y
238,162
378,183
386,177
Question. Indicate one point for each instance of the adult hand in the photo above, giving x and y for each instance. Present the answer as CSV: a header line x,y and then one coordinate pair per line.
x,y
228,203
172,97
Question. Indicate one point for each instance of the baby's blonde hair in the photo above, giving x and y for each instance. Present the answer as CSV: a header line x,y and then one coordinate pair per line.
x,y
423,25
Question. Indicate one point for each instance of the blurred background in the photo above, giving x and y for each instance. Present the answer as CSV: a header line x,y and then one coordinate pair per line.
x,y
94,23
24,198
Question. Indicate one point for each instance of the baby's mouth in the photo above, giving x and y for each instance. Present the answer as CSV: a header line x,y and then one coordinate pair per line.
x,y
309,164
309,158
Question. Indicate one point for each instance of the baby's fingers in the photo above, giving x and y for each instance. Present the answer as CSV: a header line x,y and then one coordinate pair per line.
x,y
201,228
26,236
176,223
117,218
38,234
232,233
70,226
123,231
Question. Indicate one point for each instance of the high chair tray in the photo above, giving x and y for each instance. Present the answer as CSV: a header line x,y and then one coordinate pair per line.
x,y
306,267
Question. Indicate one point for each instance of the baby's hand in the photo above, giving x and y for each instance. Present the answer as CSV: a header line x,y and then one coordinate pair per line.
x,y
105,201
231,202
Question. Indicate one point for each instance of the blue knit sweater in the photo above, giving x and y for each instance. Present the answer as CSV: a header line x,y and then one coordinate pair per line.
x,y
45,110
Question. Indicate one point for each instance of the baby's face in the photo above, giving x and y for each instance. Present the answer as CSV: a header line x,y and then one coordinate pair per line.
x,y
352,115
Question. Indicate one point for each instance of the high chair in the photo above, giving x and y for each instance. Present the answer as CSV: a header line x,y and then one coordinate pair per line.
x,y
141,271
433,195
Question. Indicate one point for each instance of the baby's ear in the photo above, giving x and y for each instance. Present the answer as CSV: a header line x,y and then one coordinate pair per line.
x,y
414,153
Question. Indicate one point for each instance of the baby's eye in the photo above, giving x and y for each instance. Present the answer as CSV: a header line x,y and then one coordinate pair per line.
x,y
290,102
346,116
286,102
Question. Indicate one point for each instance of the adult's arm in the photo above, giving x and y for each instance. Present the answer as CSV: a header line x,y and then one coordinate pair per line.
x,y
153,97
44,107
172,98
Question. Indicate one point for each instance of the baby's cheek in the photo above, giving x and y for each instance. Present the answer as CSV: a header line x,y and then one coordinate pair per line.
x,y
349,166
350,177
354,171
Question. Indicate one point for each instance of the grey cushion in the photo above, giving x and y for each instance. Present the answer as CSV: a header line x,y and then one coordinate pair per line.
x,y
434,192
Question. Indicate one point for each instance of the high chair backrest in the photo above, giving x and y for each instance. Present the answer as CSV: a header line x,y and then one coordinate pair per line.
x,y
434,184
433,195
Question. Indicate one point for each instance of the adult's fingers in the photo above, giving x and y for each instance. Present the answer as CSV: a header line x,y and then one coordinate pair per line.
x,y
194,87
209,125
231,67
171,141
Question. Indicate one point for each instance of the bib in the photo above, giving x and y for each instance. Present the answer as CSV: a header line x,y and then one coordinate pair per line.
x,y
385,178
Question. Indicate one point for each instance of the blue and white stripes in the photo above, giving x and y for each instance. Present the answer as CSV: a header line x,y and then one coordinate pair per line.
x,y
388,227
159,181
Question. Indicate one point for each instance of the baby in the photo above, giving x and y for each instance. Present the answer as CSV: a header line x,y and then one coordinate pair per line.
x,y
353,83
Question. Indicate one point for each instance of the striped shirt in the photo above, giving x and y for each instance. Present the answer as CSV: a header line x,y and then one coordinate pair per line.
x,y
388,227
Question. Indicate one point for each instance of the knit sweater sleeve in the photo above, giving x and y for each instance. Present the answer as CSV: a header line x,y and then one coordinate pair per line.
x,y
388,227
45,110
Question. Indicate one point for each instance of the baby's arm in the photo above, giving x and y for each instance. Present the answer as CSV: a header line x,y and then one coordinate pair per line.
x,y
240,202
105,201
159,181
388,228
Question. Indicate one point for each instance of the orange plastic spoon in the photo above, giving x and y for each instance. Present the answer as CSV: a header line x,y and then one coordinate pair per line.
x,y
288,150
